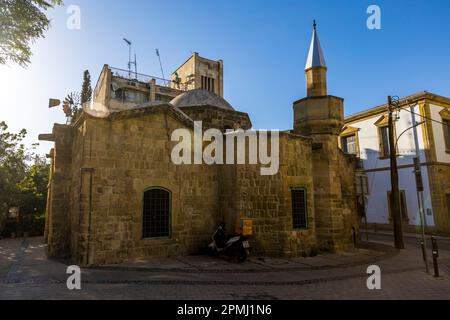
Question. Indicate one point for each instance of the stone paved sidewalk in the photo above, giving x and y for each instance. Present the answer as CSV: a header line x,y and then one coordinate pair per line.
x,y
26,273
364,256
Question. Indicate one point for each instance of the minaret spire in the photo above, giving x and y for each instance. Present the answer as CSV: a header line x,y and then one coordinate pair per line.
x,y
316,67
319,115
316,58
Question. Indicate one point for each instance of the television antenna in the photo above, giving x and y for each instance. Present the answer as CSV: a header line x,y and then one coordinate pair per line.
x,y
130,61
160,64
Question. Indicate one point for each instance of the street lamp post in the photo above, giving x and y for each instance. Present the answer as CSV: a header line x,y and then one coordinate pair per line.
x,y
419,182
419,185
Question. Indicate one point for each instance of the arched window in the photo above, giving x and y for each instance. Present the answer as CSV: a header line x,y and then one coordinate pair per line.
x,y
156,213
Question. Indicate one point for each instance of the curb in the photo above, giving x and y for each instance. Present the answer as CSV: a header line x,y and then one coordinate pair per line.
x,y
388,252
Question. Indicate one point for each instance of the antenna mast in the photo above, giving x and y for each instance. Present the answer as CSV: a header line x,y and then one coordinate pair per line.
x,y
135,65
131,62
160,64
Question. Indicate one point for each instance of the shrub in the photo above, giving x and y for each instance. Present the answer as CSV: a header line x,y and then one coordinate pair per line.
x,y
33,225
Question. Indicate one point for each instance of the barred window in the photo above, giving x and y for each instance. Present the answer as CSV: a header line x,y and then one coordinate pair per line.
x,y
299,209
156,213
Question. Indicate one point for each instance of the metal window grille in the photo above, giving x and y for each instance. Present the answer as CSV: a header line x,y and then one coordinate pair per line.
x,y
156,213
299,209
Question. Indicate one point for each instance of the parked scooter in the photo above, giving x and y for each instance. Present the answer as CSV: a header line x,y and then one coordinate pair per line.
x,y
236,246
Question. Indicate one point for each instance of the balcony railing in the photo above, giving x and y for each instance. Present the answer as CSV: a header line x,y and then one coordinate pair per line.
x,y
133,76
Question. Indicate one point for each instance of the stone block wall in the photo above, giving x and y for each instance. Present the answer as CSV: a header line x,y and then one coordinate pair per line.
x,y
319,115
124,157
439,177
102,167
335,194
348,166
321,118
81,197
267,200
58,224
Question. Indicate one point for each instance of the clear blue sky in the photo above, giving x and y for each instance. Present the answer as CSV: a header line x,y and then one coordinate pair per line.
x,y
264,45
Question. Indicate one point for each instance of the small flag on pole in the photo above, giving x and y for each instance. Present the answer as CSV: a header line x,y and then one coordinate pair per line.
x,y
52,103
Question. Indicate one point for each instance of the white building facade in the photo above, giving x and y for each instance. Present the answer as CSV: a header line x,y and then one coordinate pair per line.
x,y
366,135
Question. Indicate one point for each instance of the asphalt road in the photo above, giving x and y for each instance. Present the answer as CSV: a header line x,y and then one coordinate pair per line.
x,y
410,241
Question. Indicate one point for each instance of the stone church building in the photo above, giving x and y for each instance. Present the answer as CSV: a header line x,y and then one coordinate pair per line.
x,y
115,194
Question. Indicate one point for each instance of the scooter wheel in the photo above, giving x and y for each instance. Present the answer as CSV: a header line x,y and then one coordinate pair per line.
x,y
242,255
212,252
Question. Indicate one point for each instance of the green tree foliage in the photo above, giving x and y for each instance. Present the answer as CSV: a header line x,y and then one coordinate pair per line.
x,y
33,188
84,97
22,22
23,181
86,90
13,157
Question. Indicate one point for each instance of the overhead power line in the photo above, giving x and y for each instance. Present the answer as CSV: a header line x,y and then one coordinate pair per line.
x,y
424,117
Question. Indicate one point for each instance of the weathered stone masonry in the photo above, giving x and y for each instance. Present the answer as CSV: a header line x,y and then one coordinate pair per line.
x,y
101,168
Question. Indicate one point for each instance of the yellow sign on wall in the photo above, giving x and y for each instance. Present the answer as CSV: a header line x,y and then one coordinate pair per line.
x,y
247,227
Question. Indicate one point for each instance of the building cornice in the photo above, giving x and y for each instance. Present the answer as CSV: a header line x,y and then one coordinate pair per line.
x,y
318,98
416,98
406,166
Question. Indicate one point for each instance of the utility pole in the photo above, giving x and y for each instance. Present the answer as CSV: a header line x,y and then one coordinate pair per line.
x,y
395,193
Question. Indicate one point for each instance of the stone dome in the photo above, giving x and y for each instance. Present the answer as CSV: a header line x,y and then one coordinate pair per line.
x,y
200,97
